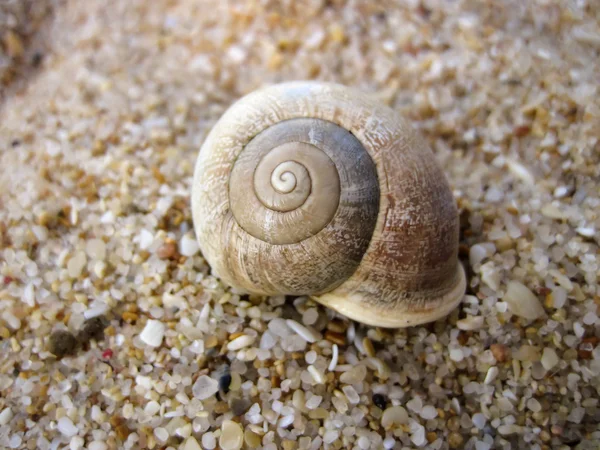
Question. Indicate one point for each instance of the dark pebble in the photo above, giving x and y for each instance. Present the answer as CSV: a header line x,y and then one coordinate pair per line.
x,y
62,343
379,401
224,382
36,59
93,329
239,406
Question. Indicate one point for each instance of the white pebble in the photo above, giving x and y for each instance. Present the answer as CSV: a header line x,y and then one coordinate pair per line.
x,y
286,421
586,231
267,341
479,420
578,329
389,443
506,430
310,357
310,316
418,434
153,333
316,374
145,239
76,264
99,269
491,375
501,307
152,408
470,323
97,445
491,275
314,402
363,442
560,191
76,443
479,252
191,444
143,381
97,414
29,295
549,358
394,415
351,394
534,405
559,297
128,411
205,387
209,441
161,434
330,436
428,412
96,249
493,194
15,441
95,311
552,211
455,404
456,354
236,54
66,427
415,405
522,302
355,375
11,320
279,328
562,279
240,342
305,333
188,246
232,436
590,318
521,172
6,416
576,415
334,357
481,445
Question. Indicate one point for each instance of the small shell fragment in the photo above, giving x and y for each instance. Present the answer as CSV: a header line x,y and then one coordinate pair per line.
x,y
334,358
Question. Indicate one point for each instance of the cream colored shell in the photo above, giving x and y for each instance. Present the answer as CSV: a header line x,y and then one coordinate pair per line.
x,y
310,188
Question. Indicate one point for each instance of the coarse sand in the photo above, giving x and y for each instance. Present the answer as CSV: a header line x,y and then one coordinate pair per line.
x,y
113,332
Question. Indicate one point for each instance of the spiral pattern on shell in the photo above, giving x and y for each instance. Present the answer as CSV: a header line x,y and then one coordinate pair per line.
x,y
292,179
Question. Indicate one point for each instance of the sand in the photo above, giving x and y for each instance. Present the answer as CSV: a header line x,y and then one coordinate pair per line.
x,y
103,108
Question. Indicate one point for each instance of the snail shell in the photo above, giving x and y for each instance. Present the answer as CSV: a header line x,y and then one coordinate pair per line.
x,y
316,189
